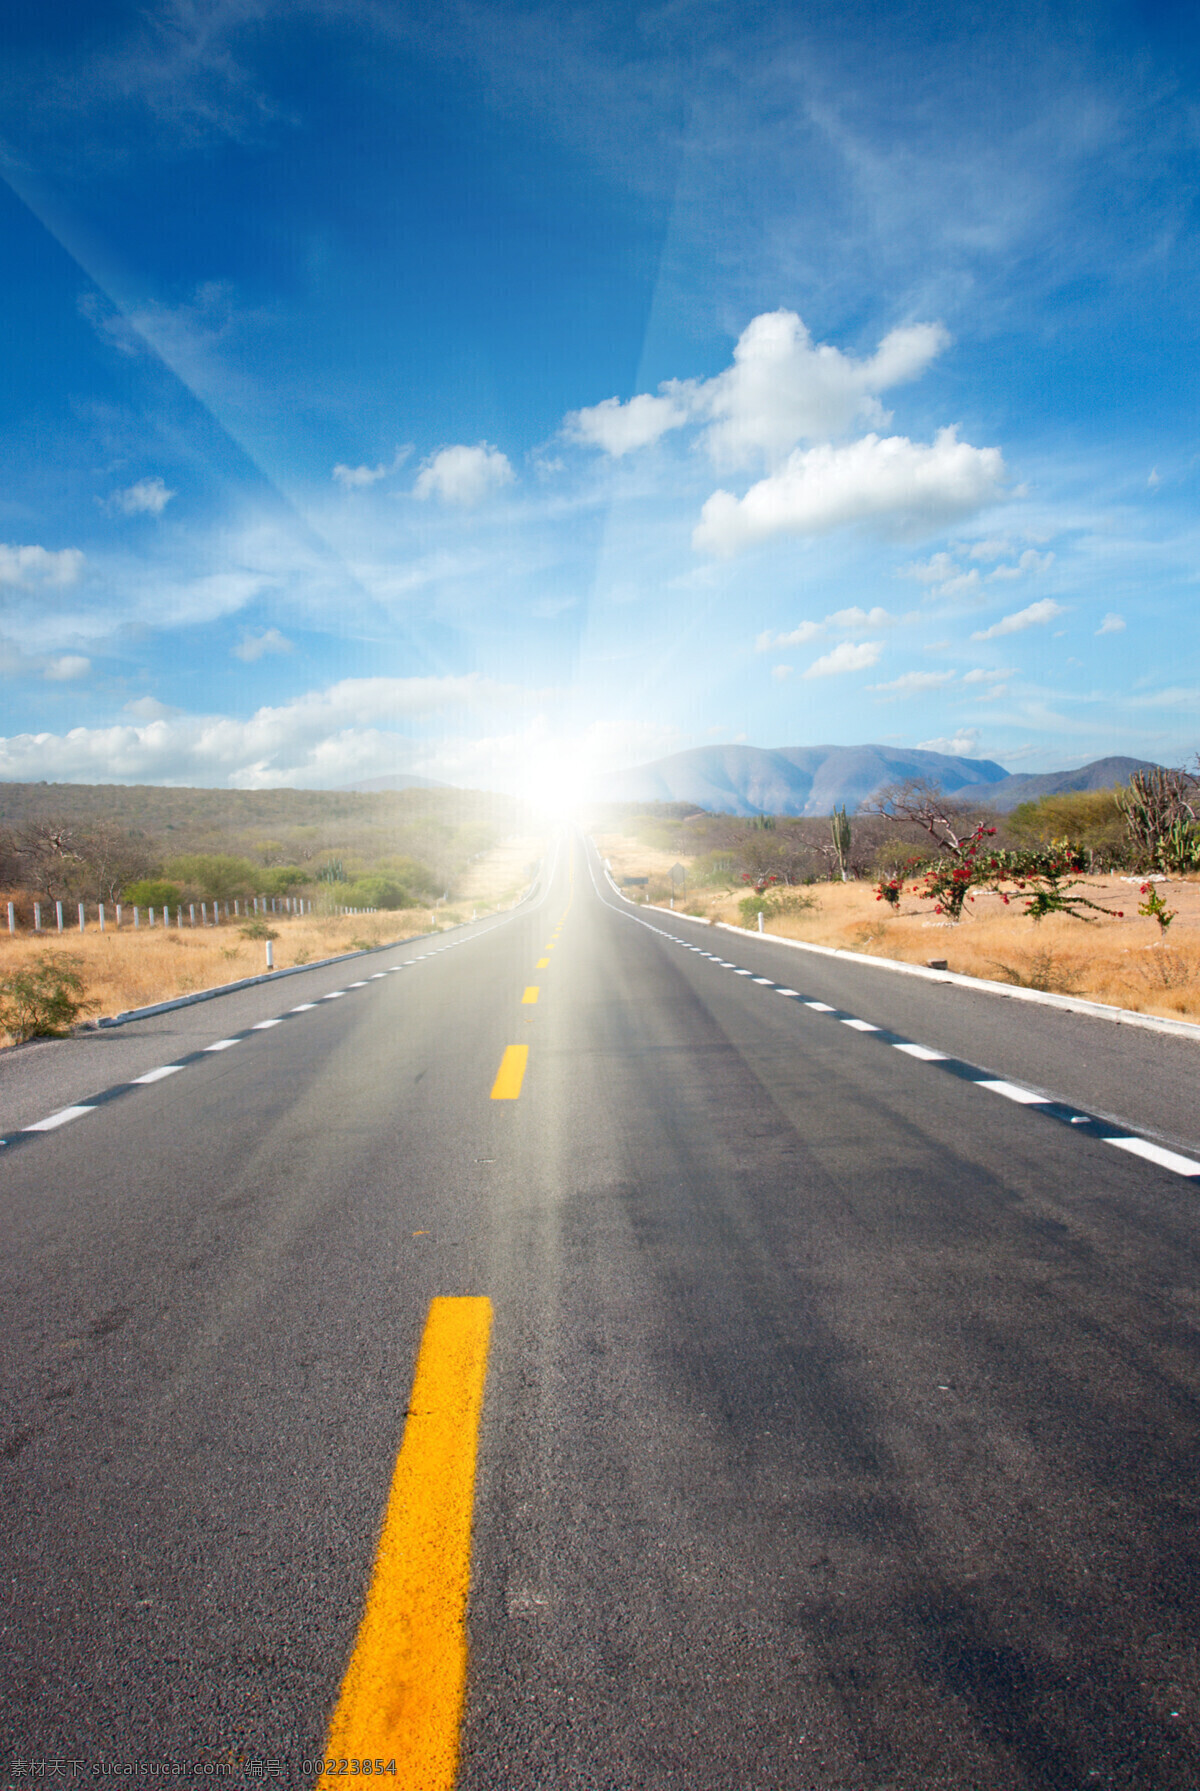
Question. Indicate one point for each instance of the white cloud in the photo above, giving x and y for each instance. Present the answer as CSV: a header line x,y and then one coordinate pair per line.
x,y
934,571
1029,562
842,621
147,497
67,666
993,549
981,676
892,480
464,476
963,745
39,565
855,618
1154,478
780,672
354,477
964,585
846,657
254,646
795,637
619,428
780,390
324,737
1112,624
909,683
1032,617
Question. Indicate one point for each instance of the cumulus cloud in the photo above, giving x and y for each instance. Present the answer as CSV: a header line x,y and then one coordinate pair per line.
x,y
781,389
846,657
148,708
620,428
34,566
464,476
889,480
147,497
963,745
1112,624
254,646
321,738
1033,616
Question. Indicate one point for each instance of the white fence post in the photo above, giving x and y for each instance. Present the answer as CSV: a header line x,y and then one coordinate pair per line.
x,y
37,917
58,915
118,917
101,916
760,924
12,918
137,919
82,918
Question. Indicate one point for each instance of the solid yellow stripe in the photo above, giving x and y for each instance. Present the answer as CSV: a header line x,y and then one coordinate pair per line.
x,y
530,995
402,1696
511,1073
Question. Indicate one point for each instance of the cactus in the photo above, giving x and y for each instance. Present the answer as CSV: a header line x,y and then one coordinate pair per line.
x,y
839,827
1159,807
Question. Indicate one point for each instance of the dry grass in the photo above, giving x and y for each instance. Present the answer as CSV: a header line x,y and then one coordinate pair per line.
x,y
135,969
501,875
1124,962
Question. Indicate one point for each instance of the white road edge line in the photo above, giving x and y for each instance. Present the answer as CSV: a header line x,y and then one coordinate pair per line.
x,y
1012,1091
166,1069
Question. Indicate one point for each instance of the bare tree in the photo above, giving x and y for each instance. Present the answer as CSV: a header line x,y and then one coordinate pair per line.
x,y
916,803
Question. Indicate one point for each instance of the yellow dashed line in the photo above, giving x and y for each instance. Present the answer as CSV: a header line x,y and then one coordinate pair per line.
x,y
511,1073
530,995
402,1695
541,963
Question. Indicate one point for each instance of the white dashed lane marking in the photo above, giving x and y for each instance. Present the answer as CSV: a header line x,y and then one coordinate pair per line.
x,y
1104,1131
63,1117
66,1114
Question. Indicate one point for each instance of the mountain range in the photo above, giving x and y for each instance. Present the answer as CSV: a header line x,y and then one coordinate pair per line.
x,y
813,780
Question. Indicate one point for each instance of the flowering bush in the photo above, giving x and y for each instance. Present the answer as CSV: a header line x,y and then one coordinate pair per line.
x,y
1154,908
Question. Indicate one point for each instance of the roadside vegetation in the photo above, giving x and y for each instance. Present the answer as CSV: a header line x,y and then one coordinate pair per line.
x,y
1094,893
409,862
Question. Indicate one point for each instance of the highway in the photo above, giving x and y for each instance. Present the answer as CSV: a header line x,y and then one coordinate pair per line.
x,y
840,1426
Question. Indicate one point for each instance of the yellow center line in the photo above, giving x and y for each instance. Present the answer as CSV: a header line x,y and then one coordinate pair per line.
x,y
530,995
511,1073
402,1696
541,963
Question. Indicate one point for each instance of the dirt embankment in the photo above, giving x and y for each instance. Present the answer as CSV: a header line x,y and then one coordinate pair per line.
x,y
1125,961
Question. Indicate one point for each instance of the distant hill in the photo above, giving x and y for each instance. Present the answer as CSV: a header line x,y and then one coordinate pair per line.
x,y
790,780
1101,774
370,786
813,780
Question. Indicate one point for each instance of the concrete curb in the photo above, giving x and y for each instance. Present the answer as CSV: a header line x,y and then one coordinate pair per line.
x,y
270,976
1096,1010
249,982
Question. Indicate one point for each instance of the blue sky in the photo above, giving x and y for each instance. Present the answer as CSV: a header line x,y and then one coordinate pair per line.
x,y
507,393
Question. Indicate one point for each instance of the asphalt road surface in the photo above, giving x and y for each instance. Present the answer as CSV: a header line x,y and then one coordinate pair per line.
x,y
840,1427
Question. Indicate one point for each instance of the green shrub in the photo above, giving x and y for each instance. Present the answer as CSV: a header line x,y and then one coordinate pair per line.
x,y
257,928
152,892
44,999
217,875
374,892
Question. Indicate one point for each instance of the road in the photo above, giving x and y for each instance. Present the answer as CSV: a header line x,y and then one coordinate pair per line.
x,y
840,1424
